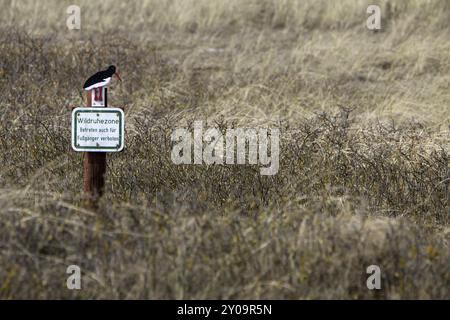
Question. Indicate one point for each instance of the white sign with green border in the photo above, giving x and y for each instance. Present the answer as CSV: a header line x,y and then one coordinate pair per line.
x,y
98,129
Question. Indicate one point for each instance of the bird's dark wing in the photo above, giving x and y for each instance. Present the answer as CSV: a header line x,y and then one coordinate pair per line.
x,y
98,77
91,80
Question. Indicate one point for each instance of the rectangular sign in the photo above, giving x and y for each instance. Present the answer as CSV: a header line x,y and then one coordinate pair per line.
x,y
98,129
98,97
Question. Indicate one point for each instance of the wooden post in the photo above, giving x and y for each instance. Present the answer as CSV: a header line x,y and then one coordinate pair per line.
x,y
94,169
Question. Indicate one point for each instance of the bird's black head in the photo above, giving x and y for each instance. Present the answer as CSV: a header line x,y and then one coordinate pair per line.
x,y
111,69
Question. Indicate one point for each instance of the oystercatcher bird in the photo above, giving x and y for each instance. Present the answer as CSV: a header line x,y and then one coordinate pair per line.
x,y
101,78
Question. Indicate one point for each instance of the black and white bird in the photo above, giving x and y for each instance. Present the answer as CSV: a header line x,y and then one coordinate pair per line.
x,y
101,78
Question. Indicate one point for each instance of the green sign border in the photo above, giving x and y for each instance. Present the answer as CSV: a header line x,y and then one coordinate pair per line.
x,y
98,111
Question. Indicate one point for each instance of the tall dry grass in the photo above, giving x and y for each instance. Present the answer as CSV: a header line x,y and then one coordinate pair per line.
x,y
364,169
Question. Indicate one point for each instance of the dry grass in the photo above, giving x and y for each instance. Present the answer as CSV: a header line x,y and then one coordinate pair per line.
x,y
364,169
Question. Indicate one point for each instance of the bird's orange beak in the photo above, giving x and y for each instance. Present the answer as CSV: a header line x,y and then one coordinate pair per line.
x,y
118,76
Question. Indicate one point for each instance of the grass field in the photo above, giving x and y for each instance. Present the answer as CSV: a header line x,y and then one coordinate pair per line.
x,y
364,162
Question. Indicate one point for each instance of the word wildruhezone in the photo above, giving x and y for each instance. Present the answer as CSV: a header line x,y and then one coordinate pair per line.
x,y
97,121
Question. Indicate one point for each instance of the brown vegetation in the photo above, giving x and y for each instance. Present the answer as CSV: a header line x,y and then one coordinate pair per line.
x,y
364,164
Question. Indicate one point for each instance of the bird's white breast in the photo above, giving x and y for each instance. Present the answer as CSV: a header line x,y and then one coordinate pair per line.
x,y
103,83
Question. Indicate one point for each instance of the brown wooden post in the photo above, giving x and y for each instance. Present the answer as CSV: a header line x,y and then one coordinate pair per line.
x,y
94,169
